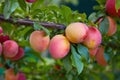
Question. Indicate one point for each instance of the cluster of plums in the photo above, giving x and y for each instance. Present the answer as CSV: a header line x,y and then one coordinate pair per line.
x,y
9,49
77,32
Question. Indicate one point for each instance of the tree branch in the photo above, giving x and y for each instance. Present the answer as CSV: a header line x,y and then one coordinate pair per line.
x,y
30,22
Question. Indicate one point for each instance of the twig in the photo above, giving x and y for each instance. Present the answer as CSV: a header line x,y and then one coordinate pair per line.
x,y
31,22
98,20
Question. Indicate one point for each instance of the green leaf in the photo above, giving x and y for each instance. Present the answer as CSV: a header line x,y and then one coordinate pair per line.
x,y
8,28
2,71
36,11
67,63
10,6
22,4
83,51
92,17
24,31
78,17
101,1
117,6
37,4
23,42
37,55
104,26
107,57
6,11
66,13
75,2
76,59
69,77
37,26
2,60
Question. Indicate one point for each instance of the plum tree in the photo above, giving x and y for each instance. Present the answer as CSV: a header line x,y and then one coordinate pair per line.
x,y
59,46
72,41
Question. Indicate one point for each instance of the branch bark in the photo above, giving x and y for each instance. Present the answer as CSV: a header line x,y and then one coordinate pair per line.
x,y
31,22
